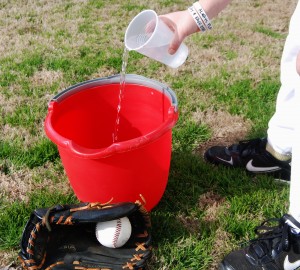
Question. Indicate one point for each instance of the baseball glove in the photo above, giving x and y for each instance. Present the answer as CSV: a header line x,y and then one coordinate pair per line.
x,y
63,237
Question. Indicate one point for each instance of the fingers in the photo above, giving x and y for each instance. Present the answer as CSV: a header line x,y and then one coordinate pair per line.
x,y
149,29
175,43
169,22
182,24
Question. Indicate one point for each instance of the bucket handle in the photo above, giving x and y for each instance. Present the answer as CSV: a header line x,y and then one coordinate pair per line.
x,y
115,79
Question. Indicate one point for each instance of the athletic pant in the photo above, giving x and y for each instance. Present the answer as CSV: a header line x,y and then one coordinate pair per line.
x,y
284,126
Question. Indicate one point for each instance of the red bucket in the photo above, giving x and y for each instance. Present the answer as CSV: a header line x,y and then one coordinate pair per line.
x,y
81,122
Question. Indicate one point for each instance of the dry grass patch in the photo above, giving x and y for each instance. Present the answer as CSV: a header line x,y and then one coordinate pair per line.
x,y
210,199
220,247
211,203
191,224
45,77
18,184
254,53
11,133
226,128
105,72
8,105
27,21
8,259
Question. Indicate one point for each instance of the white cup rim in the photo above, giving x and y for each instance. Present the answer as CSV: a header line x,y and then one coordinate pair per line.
x,y
132,21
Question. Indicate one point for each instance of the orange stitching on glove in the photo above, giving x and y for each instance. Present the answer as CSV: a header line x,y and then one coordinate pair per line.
x,y
68,221
52,265
60,220
93,206
140,246
137,257
128,265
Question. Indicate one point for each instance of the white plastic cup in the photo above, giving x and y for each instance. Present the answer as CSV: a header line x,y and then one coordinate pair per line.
x,y
150,36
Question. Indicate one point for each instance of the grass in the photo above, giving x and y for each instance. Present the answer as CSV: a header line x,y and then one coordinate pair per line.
x,y
226,91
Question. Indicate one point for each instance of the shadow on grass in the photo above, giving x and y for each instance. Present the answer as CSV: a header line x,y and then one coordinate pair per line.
x,y
246,201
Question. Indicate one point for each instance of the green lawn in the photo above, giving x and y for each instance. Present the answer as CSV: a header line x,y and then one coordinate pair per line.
x,y
226,91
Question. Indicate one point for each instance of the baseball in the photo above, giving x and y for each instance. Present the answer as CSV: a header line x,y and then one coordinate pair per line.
x,y
114,233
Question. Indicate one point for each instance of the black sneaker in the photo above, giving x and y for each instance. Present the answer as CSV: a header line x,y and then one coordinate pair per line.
x,y
276,248
252,155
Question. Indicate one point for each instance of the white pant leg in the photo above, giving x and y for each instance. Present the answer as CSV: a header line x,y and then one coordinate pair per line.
x,y
282,124
294,209
284,127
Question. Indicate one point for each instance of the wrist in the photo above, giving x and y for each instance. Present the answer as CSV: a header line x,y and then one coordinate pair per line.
x,y
197,19
204,17
200,17
190,23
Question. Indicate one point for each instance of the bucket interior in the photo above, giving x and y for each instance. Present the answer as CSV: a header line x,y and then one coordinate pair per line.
x,y
88,117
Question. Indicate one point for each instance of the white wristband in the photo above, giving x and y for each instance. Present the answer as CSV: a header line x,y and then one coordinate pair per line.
x,y
197,18
203,15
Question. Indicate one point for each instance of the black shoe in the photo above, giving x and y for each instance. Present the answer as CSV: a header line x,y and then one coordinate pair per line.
x,y
252,155
276,248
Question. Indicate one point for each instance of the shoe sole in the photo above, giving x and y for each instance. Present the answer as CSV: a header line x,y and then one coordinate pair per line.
x,y
282,181
223,267
285,180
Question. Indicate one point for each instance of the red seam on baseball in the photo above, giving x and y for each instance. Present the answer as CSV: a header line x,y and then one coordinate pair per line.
x,y
117,232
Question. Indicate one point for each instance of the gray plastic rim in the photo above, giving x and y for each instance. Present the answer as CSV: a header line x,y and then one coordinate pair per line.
x,y
115,79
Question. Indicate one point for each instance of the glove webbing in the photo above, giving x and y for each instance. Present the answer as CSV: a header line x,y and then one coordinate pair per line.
x,y
93,206
68,220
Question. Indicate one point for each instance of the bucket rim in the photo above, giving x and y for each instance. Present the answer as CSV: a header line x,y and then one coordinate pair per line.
x,y
115,79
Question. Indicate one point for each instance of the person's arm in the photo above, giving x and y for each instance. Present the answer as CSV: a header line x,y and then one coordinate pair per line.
x,y
213,7
183,23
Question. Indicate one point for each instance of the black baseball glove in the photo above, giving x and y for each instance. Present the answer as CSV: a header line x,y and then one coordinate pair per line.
x,y
63,237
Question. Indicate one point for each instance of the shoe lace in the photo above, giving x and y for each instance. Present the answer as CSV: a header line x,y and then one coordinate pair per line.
x,y
248,146
273,239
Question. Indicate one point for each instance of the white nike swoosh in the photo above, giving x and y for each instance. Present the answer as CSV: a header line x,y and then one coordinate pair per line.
x,y
290,266
227,161
252,168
